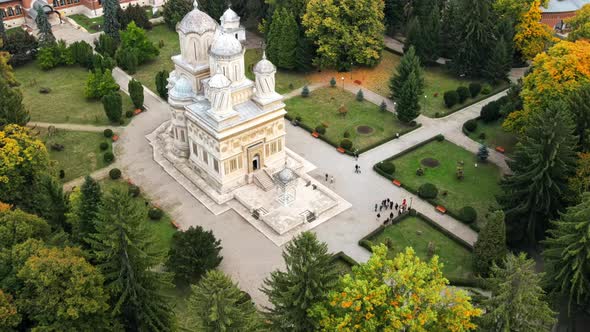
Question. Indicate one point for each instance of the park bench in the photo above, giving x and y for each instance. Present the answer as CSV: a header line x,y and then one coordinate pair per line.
x,y
315,134
500,149
441,209
397,183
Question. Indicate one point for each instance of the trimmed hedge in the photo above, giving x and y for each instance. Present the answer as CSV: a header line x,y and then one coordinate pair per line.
x,y
320,129
451,98
103,146
428,190
471,125
463,93
108,133
133,190
346,144
474,89
387,167
344,257
467,214
491,111
115,173
108,157
155,213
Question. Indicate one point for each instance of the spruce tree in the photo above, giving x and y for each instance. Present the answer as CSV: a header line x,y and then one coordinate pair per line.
x,y
46,37
567,254
490,247
174,10
408,103
111,24
518,301
273,37
394,16
483,153
579,106
542,163
135,89
126,254
2,29
309,276
410,63
288,42
449,31
12,110
424,34
217,304
90,198
113,106
498,65
162,83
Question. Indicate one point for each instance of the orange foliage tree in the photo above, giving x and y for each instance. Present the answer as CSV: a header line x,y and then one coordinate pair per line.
x,y
532,36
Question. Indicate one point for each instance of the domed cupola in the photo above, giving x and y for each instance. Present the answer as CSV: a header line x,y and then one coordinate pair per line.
x,y
219,93
182,90
264,66
230,20
196,32
196,21
226,45
265,78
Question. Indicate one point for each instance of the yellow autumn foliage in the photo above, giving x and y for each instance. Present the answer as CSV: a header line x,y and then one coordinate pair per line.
x,y
531,36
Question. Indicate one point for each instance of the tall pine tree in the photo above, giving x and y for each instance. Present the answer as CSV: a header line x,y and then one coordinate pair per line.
x,y
498,65
490,247
288,42
309,275
423,33
111,24
90,198
579,106
518,302
394,16
567,254
12,110
410,63
126,254
542,163
273,37
408,103
46,36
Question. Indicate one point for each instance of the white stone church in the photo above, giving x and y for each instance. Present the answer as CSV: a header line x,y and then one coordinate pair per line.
x,y
225,142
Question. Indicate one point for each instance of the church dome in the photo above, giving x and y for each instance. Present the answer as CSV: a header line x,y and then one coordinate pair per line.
x,y
226,45
219,81
264,66
229,16
286,175
182,89
197,22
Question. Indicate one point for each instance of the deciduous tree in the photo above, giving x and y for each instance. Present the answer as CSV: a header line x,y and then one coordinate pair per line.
x,y
9,316
134,40
532,36
404,293
310,274
17,226
580,24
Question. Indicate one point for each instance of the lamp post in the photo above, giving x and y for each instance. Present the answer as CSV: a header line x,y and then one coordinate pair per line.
x,y
351,71
342,82
425,102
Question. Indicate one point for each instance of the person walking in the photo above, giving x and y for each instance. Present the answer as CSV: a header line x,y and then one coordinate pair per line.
x,y
378,216
332,179
391,205
376,207
391,215
326,177
396,206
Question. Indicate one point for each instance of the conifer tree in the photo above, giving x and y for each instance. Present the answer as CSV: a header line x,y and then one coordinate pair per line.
x,y
12,110
161,83
542,163
219,305
46,36
424,34
410,63
498,65
135,89
126,254
309,276
449,30
113,106
90,198
394,15
518,301
2,29
288,43
567,254
579,106
483,153
273,37
490,247
408,103
111,24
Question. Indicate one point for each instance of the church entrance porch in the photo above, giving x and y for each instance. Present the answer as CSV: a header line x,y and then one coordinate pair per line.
x,y
255,160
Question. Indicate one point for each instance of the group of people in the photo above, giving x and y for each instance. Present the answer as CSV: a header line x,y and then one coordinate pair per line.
x,y
331,178
388,204
357,168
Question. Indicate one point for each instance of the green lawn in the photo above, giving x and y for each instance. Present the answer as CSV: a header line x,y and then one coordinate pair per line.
x,y
478,188
81,155
495,136
146,73
321,107
66,102
416,233
286,81
92,25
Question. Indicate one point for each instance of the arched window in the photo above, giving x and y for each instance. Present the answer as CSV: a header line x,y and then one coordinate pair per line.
x,y
10,11
2,12
55,3
18,10
69,2
62,2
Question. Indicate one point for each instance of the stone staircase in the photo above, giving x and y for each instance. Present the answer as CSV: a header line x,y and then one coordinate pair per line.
x,y
263,180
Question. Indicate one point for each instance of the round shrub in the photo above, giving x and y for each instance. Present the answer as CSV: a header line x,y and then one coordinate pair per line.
x,y
471,125
474,89
129,114
108,157
467,214
104,146
451,98
490,112
428,191
155,213
346,144
133,190
320,129
387,167
440,137
346,134
486,90
115,173
107,133
463,93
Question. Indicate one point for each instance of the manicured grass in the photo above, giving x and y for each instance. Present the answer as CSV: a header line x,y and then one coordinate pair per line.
x,y
417,233
81,155
146,73
92,25
66,102
478,188
286,81
162,229
322,107
495,136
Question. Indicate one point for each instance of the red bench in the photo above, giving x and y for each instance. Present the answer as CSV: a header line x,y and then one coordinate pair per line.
x,y
174,224
115,138
397,183
441,209
341,150
500,149
137,111
315,134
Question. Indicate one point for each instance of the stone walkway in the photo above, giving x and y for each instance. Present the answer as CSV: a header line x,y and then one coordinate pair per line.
x,y
75,127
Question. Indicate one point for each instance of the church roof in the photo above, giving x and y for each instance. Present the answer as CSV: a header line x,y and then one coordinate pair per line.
x,y
229,16
264,66
219,81
562,6
226,45
182,89
197,22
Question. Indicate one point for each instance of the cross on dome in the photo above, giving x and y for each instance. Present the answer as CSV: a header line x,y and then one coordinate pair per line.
x,y
196,4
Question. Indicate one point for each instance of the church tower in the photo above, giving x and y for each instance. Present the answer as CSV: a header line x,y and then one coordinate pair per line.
x,y
265,94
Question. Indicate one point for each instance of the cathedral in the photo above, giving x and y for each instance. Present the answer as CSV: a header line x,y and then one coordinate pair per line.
x,y
225,125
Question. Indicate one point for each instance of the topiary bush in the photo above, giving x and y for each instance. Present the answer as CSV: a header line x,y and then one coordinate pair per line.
x,y
428,191
155,213
440,137
320,129
115,173
387,167
133,190
451,98
471,125
490,112
360,96
107,133
305,92
463,93
333,82
108,157
129,114
474,89
103,146
467,214
346,144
